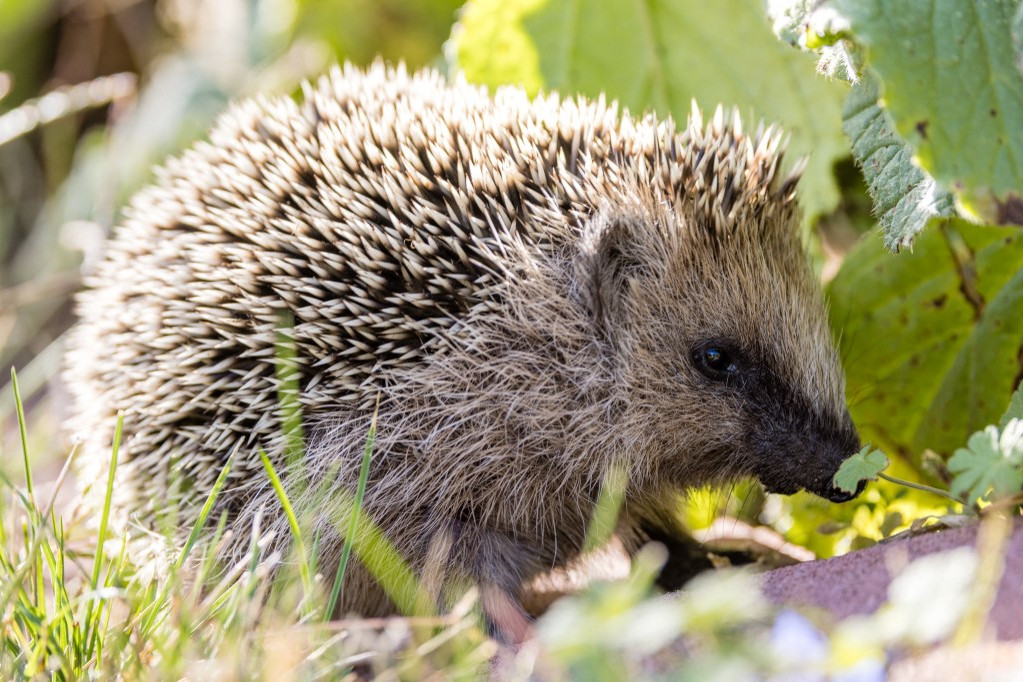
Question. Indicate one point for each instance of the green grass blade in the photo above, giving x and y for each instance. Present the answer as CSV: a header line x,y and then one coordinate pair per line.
x,y
296,531
39,527
383,561
360,493
607,508
314,551
37,652
23,433
14,590
209,560
112,576
88,624
288,390
153,608
204,513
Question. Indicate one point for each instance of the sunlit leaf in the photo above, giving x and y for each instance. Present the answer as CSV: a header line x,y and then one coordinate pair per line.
x,y
865,465
991,463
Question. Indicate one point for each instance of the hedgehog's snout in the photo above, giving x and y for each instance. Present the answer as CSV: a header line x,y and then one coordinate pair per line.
x,y
841,446
806,456
836,494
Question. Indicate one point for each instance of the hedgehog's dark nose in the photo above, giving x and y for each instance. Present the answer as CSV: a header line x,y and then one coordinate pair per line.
x,y
847,442
836,494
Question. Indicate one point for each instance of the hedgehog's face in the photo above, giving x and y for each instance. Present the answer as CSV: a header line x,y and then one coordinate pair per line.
x,y
726,358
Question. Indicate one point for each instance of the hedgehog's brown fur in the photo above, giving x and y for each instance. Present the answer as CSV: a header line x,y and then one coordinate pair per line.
x,y
520,284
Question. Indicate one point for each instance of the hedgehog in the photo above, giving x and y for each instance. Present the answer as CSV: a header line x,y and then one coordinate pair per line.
x,y
521,294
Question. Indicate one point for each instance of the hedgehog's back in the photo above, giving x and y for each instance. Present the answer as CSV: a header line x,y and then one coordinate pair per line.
x,y
368,222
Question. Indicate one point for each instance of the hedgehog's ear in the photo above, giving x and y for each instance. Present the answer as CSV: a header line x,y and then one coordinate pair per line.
x,y
611,262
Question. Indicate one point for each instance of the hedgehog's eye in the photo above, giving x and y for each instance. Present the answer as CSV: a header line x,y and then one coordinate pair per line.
x,y
715,361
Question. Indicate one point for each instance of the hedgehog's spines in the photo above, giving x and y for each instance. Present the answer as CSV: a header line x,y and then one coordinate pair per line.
x,y
448,251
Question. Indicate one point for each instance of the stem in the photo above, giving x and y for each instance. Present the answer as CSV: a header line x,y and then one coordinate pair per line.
x,y
992,541
24,435
919,486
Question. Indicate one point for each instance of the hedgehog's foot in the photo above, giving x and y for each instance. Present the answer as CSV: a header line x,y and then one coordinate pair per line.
x,y
506,620
495,563
686,558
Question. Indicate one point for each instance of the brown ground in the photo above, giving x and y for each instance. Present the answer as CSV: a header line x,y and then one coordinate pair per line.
x,y
857,583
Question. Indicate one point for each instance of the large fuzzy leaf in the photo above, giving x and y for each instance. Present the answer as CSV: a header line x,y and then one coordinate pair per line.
x,y
953,86
932,339
905,197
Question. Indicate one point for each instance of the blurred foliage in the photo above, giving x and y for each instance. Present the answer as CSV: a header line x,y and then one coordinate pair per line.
x,y
722,628
22,47
360,30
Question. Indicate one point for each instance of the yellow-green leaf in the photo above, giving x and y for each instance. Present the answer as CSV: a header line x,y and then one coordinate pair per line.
x,y
865,465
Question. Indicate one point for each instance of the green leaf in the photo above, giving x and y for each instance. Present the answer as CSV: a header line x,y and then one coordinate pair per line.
x,y
991,463
1017,36
931,340
1015,408
492,46
952,86
865,465
905,197
659,56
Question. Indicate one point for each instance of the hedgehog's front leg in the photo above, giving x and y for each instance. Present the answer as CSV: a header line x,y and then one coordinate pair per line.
x,y
446,558
686,557
495,563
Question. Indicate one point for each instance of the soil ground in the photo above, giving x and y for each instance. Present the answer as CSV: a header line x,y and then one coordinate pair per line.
x,y
857,583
